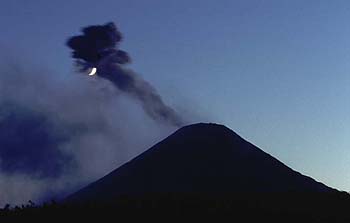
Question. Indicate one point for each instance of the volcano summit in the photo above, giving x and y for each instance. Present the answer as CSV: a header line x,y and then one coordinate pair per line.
x,y
199,158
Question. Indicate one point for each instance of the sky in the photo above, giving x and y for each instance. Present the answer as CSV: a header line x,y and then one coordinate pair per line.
x,y
276,72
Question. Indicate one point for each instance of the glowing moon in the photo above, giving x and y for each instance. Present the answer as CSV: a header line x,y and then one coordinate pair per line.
x,y
93,71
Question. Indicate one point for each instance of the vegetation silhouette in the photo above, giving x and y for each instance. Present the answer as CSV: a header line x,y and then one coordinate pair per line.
x,y
247,207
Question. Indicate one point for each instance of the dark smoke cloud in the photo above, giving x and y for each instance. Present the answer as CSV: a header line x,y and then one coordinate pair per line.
x,y
30,142
98,47
98,42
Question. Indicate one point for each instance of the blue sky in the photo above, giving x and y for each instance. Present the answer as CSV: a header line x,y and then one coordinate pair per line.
x,y
276,72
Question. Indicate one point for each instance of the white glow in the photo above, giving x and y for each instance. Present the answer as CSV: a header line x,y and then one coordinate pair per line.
x,y
93,71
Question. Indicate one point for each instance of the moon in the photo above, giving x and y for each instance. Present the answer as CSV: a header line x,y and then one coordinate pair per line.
x,y
93,71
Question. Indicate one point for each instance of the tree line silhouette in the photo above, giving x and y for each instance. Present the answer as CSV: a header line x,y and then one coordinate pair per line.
x,y
274,207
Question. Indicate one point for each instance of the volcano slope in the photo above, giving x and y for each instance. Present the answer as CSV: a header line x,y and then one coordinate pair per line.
x,y
200,159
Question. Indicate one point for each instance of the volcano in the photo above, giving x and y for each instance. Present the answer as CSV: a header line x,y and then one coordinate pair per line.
x,y
199,158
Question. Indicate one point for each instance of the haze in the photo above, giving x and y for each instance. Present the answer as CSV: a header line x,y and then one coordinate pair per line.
x,y
276,72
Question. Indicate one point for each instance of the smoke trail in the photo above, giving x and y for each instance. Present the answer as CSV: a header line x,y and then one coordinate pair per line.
x,y
57,135
98,47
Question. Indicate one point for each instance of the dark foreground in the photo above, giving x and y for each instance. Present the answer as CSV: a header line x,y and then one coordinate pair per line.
x,y
332,207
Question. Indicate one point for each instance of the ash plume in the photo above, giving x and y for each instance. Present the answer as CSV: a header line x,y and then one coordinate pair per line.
x,y
99,47
59,134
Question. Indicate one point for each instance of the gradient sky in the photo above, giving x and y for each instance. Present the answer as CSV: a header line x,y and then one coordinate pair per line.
x,y
276,72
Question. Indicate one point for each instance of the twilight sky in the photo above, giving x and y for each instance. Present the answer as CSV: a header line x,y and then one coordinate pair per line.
x,y
276,71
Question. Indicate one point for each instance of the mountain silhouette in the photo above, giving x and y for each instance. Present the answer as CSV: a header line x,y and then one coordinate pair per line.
x,y
199,158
